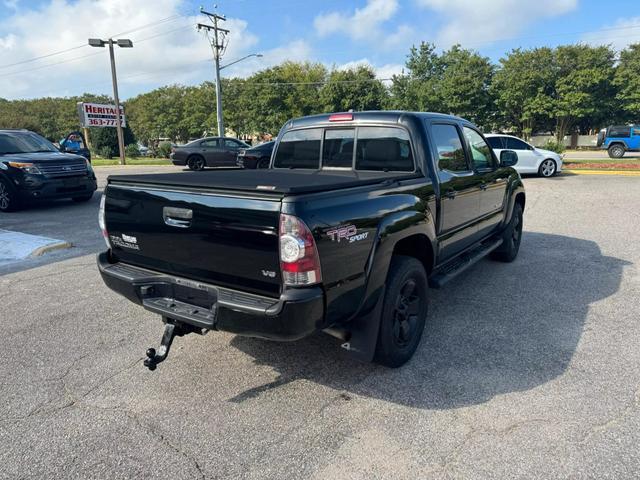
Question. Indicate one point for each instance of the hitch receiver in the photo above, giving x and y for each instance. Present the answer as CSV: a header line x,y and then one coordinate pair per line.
x,y
171,329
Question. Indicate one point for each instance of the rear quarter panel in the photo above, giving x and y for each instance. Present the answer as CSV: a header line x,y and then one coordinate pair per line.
x,y
371,218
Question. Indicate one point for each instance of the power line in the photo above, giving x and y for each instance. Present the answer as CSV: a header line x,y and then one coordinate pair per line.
x,y
69,60
77,47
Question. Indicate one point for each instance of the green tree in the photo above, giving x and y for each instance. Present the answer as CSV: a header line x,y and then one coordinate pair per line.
x,y
355,88
285,91
523,89
627,80
455,81
463,87
584,85
415,89
108,137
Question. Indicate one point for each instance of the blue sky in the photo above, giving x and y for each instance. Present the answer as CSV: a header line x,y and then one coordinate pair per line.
x,y
378,32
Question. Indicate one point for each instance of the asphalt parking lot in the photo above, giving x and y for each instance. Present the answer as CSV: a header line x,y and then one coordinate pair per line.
x,y
526,370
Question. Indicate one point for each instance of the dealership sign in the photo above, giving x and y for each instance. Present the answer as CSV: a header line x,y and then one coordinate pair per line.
x,y
99,115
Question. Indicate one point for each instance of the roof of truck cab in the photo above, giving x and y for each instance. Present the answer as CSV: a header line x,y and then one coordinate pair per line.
x,y
278,180
373,116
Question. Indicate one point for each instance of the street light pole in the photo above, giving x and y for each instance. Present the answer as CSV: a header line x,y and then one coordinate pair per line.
x,y
117,100
123,43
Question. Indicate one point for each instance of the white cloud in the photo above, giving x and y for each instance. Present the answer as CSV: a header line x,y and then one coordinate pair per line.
x,y
382,72
478,23
295,51
362,24
623,32
176,54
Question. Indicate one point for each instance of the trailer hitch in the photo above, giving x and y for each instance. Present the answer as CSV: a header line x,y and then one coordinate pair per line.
x,y
172,329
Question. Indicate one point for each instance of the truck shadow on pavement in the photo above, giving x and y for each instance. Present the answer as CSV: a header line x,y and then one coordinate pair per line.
x,y
498,328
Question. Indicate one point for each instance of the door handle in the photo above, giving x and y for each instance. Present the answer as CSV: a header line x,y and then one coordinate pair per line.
x,y
177,217
450,194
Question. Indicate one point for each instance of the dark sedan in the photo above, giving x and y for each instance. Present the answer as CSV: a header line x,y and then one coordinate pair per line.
x,y
256,157
208,152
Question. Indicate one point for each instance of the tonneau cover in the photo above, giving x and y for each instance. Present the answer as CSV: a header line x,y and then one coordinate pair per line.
x,y
271,180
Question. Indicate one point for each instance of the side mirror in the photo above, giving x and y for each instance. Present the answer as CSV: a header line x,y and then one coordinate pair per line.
x,y
508,158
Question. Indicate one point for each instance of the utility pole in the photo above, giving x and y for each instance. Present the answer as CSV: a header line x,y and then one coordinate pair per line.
x,y
218,46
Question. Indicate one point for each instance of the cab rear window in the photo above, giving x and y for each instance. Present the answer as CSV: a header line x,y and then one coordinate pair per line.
x,y
367,148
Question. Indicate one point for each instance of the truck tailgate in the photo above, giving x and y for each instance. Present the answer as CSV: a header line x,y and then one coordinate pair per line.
x,y
226,240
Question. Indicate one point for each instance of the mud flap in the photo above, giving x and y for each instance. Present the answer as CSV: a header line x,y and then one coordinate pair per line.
x,y
364,331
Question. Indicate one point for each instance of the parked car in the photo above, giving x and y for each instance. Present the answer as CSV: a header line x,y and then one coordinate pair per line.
x,y
75,142
619,139
358,213
530,159
255,157
208,152
32,168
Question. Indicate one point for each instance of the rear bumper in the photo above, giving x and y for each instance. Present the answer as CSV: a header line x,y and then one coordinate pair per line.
x,y
296,314
177,161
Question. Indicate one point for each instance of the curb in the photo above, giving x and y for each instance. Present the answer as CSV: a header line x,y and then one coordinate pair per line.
x,y
38,252
622,173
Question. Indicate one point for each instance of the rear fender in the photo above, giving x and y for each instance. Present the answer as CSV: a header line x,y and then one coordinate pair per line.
x,y
365,324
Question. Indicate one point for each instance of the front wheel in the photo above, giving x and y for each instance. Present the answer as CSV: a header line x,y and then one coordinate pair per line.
x,y
404,312
616,151
8,198
511,237
547,168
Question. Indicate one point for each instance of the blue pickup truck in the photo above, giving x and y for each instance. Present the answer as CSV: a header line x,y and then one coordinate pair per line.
x,y
619,139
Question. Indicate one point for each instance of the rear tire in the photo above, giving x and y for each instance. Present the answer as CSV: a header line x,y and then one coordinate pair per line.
x,y
616,151
195,163
511,238
404,312
84,198
9,201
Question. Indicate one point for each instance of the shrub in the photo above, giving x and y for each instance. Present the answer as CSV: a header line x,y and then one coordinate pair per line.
x,y
554,146
132,150
164,149
105,152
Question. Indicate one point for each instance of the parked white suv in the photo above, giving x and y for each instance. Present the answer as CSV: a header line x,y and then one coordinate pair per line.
x,y
530,159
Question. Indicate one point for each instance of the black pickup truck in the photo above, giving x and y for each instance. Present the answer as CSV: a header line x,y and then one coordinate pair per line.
x,y
358,214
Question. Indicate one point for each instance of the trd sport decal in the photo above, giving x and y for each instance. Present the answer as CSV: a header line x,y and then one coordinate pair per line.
x,y
347,233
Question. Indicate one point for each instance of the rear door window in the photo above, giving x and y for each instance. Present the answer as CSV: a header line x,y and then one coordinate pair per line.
x,y
299,149
337,150
451,155
383,149
620,132
213,143
495,142
515,144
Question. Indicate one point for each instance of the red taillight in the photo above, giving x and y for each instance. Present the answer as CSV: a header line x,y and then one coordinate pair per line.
x,y
299,260
341,117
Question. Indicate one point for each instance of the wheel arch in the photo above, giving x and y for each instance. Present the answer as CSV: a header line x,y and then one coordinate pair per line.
x,y
418,246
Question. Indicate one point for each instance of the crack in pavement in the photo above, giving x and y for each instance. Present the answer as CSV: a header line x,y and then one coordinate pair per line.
x,y
153,432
